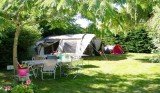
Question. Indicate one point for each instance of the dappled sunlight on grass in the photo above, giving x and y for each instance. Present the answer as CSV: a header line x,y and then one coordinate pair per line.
x,y
97,86
2,74
130,68
6,77
127,73
46,88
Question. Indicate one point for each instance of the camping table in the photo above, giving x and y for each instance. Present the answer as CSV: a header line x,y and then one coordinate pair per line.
x,y
34,64
69,60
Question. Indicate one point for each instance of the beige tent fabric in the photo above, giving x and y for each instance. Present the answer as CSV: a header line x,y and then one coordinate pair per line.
x,y
77,42
49,65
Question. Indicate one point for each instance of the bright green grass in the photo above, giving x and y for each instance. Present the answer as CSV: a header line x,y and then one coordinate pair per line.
x,y
126,73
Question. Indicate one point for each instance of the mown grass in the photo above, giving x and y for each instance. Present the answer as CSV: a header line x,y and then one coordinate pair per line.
x,y
126,73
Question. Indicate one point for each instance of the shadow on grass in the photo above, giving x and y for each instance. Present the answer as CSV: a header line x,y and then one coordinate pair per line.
x,y
90,66
97,83
102,83
144,60
6,77
110,57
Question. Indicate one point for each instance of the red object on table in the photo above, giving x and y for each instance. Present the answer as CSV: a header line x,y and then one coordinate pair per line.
x,y
53,52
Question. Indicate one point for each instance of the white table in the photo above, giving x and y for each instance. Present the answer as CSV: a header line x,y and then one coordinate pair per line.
x,y
68,59
33,65
33,62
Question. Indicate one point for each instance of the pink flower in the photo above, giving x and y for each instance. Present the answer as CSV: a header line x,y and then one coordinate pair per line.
x,y
28,82
25,86
7,88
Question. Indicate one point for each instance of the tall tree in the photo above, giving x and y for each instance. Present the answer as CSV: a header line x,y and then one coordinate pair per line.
x,y
19,13
30,12
25,12
154,25
117,15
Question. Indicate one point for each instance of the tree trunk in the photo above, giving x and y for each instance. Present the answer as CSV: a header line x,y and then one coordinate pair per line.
x,y
15,44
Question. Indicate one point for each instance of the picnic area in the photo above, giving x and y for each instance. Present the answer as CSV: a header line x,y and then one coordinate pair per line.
x,y
126,73
79,46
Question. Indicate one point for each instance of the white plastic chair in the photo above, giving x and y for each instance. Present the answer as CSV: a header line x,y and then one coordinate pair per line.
x,y
49,67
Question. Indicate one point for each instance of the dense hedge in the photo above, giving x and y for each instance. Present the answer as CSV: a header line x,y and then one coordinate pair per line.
x,y
27,38
137,40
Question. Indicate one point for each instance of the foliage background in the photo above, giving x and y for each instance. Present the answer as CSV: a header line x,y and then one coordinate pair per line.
x,y
155,33
137,40
26,41
58,15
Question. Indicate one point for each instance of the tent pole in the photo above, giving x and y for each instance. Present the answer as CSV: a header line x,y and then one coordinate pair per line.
x,y
105,57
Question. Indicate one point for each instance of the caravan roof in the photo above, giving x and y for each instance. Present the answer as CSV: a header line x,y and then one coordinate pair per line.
x,y
76,43
69,36
50,39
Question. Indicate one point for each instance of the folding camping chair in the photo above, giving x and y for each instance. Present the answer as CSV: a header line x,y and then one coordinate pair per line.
x,y
35,68
73,63
49,67
64,60
76,66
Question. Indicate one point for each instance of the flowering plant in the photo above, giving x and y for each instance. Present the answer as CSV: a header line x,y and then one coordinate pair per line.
x,y
28,87
22,65
23,69
2,90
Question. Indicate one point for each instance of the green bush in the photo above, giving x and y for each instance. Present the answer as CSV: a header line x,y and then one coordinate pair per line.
x,y
154,26
27,87
6,47
27,38
137,40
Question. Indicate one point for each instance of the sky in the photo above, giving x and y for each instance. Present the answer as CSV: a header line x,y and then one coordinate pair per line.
x,y
83,22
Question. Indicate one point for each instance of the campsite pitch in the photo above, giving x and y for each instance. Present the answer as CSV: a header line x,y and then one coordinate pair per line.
x,y
126,73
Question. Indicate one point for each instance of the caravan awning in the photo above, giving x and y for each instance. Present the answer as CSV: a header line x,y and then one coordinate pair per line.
x,y
76,43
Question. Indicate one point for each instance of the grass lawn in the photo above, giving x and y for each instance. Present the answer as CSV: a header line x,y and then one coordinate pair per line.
x,y
126,73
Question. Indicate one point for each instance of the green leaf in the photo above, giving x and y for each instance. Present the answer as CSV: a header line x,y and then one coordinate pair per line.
x,y
60,4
